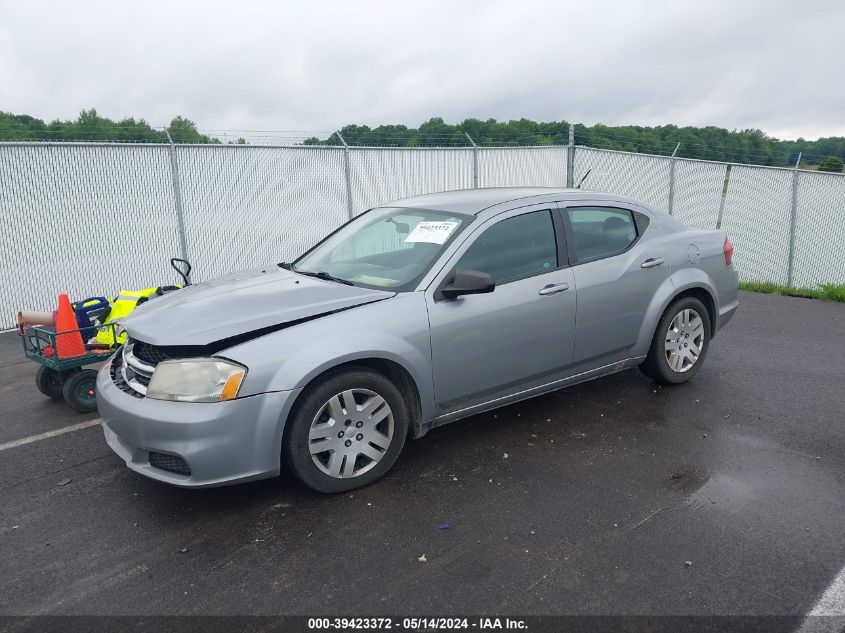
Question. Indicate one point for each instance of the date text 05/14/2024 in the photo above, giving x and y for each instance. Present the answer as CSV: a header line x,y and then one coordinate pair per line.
x,y
417,623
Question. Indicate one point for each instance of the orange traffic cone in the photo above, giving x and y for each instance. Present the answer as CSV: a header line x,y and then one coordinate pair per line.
x,y
69,344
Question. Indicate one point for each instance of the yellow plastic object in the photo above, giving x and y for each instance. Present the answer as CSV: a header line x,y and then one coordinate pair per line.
x,y
122,306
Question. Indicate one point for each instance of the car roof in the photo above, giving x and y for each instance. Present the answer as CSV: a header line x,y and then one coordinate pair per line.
x,y
474,201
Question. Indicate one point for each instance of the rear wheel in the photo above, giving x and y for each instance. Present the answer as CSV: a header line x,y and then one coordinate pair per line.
x,y
347,431
680,342
50,382
80,391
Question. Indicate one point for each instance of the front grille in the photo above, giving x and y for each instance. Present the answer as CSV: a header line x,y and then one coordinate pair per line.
x,y
117,376
144,380
170,463
133,366
148,354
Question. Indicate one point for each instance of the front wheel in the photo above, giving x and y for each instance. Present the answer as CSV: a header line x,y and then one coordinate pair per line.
x,y
347,431
680,342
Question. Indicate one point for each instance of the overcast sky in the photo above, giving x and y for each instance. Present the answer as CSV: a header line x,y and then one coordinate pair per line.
x,y
776,65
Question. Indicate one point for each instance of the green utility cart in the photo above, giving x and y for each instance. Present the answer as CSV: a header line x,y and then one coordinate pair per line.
x,y
68,377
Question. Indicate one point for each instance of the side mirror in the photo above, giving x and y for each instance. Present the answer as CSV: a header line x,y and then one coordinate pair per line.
x,y
468,282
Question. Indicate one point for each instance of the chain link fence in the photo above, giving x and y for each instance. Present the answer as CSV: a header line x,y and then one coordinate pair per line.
x,y
522,167
379,175
247,206
638,176
82,219
93,218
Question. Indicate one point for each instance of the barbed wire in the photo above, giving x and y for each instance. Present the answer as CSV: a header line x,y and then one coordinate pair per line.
x,y
684,142
298,132
91,141
372,137
667,146
580,131
75,126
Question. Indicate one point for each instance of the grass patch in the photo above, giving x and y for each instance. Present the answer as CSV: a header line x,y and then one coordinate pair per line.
x,y
828,292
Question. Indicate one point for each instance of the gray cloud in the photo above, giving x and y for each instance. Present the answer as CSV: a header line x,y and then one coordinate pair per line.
x,y
768,64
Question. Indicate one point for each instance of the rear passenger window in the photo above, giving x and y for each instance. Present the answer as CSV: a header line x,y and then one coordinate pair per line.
x,y
514,248
601,231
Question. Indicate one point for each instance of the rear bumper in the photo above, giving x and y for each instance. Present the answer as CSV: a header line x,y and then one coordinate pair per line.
x,y
727,285
221,442
726,313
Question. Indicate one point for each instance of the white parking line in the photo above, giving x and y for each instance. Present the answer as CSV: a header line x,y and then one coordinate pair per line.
x,y
832,603
44,436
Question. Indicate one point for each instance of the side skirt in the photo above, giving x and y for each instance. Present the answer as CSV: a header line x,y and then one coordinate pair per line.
x,y
502,401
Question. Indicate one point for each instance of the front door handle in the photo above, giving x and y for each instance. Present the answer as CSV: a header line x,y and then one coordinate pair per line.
x,y
552,289
651,262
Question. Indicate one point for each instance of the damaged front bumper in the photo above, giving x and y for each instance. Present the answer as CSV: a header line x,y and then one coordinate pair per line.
x,y
195,444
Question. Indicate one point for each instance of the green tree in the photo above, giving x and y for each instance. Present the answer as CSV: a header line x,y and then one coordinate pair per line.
x,y
184,131
831,163
708,143
90,126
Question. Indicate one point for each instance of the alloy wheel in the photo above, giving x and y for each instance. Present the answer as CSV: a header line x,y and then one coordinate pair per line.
x,y
684,340
351,433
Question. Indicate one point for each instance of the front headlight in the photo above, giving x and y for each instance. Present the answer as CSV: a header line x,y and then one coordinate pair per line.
x,y
196,380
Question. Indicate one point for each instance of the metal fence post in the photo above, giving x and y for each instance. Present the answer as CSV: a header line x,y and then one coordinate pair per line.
x,y
793,216
177,197
570,158
474,161
672,179
725,185
348,176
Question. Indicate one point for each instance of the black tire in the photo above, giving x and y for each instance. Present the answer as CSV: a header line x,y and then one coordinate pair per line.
x,y
80,391
50,382
656,365
296,451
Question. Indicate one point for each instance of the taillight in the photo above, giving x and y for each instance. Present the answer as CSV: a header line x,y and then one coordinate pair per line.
x,y
729,252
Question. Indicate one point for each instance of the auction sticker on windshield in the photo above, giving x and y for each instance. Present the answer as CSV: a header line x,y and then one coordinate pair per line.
x,y
431,232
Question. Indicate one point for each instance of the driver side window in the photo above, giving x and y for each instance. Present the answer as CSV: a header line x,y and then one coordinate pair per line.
x,y
515,248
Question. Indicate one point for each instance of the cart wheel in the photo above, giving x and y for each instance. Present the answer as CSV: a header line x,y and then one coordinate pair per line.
x,y
49,382
80,391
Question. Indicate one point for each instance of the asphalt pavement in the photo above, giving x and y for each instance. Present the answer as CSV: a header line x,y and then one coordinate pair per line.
x,y
723,496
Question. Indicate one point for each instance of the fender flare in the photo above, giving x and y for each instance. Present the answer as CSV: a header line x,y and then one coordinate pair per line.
x,y
674,286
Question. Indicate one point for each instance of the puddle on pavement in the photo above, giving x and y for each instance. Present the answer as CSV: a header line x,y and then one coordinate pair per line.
x,y
724,492
704,490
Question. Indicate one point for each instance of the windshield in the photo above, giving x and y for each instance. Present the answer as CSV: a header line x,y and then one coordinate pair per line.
x,y
384,248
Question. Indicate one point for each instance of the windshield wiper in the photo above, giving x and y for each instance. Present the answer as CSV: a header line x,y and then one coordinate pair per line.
x,y
322,274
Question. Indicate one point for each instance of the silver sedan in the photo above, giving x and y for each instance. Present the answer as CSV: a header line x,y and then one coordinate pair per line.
x,y
412,315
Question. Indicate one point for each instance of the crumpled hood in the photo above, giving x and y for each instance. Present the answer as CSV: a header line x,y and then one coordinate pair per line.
x,y
241,303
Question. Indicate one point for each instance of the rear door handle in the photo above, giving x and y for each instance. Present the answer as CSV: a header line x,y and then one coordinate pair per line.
x,y
552,289
651,262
